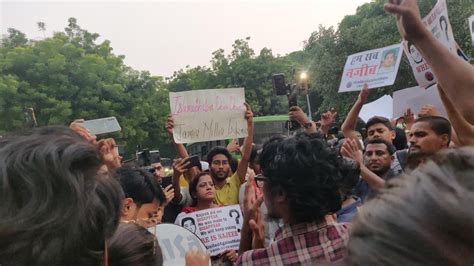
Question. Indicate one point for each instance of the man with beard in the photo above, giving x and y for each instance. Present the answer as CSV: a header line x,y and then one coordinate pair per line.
x,y
227,184
378,158
428,135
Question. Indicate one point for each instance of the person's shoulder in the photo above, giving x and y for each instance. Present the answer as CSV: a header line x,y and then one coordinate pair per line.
x,y
254,257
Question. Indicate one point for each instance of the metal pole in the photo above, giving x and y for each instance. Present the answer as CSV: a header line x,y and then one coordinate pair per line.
x,y
309,107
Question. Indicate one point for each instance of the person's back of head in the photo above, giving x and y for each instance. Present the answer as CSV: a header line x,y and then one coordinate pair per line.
x,y
133,245
55,207
425,218
305,171
350,175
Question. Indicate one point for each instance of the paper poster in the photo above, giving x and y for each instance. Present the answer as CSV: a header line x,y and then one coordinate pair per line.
x,y
205,115
437,22
377,68
218,228
430,96
471,27
174,242
400,98
380,107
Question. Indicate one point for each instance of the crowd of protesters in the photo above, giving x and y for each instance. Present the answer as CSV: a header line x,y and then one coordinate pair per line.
x,y
399,196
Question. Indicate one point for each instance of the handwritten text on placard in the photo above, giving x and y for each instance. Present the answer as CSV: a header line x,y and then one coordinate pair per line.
x,y
205,115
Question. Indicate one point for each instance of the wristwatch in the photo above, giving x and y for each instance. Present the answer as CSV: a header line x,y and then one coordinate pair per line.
x,y
308,125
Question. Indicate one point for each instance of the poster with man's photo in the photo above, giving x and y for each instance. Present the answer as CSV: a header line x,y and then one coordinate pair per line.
x,y
218,228
437,22
377,68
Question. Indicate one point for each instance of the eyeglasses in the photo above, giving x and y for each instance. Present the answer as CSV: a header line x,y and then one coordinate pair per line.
x,y
219,162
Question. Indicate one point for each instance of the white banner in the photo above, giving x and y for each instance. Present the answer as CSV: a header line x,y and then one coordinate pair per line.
x,y
175,242
400,98
205,115
429,96
383,106
437,22
218,228
377,68
471,27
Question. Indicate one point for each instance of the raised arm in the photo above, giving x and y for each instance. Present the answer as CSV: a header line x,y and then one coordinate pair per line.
x,y
180,149
350,122
247,146
464,130
296,114
454,74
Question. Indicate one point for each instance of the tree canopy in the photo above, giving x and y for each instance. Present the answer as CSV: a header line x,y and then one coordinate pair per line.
x,y
71,75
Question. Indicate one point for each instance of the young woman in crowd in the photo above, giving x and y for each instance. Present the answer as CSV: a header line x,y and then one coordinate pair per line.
x,y
203,192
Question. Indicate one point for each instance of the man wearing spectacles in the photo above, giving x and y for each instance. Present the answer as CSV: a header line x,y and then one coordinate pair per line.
x,y
227,184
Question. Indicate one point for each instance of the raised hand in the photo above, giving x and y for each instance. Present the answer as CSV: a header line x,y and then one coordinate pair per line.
x,y
409,22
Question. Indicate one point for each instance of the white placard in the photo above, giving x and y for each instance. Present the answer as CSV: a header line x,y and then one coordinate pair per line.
x,y
401,97
471,27
174,242
383,106
430,96
437,22
205,115
377,68
218,228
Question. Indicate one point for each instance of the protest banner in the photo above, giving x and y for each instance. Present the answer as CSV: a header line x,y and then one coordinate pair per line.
x,y
383,106
206,115
437,22
377,68
429,96
400,97
174,242
218,228
471,27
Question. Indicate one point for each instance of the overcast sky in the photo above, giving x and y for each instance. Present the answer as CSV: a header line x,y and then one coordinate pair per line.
x,y
165,36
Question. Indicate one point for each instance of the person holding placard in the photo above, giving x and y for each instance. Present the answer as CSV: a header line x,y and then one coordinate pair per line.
x,y
203,193
219,158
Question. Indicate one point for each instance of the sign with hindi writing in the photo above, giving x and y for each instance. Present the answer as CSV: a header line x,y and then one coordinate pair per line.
x,y
437,22
218,228
383,106
376,67
205,115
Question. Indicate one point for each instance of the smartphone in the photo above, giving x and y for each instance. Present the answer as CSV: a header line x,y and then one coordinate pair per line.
x,y
279,84
102,125
194,161
166,181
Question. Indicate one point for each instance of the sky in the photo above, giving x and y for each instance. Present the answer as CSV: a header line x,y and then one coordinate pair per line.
x,y
165,36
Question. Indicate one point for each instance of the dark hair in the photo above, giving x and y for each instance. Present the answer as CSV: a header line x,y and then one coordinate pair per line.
x,y
185,219
234,164
438,124
390,148
55,207
140,185
425,218
391,51
400,140
218,150
134,245
350,175
193,186
306,170
379,120
256,150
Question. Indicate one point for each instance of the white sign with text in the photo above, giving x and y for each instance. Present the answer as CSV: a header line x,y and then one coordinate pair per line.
x,y
377,68
205,115
218,228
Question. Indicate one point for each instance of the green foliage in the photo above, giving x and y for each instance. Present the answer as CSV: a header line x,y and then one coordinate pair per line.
x,y
70,76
